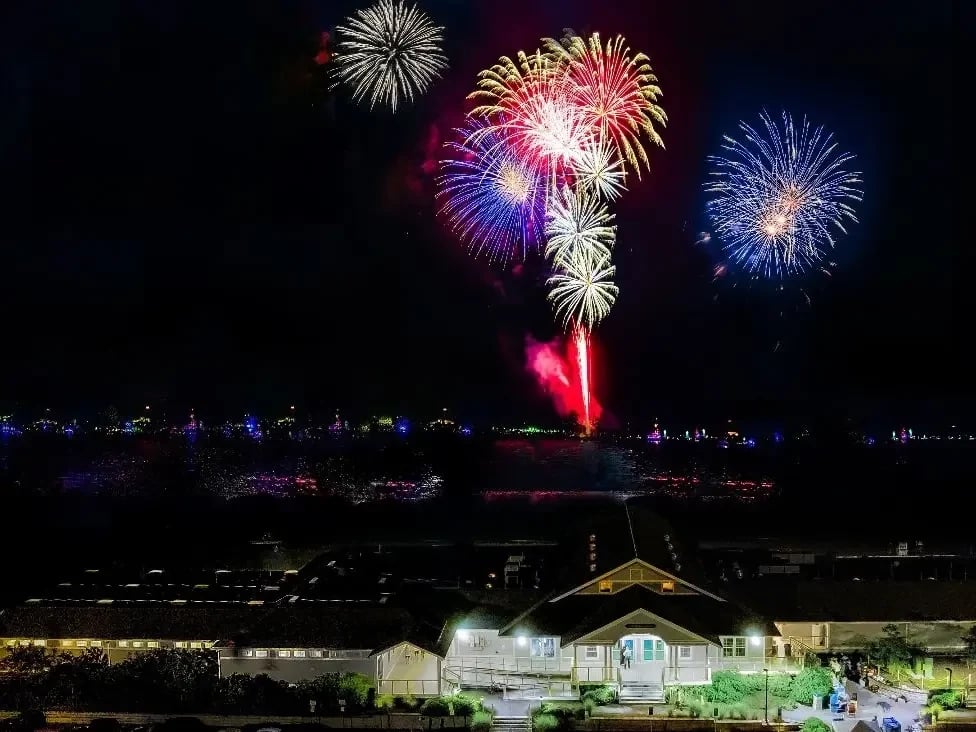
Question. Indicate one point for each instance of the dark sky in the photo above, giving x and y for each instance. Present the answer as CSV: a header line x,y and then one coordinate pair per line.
x,y
189,217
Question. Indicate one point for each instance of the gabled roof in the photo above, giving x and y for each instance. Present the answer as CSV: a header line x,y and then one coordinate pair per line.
x,y
366,626
636,563
576,616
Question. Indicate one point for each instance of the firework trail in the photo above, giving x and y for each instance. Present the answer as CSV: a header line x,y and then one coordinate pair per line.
x,y
581,339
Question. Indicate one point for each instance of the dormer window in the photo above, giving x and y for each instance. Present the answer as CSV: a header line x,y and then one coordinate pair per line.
x,y
606,586
667,586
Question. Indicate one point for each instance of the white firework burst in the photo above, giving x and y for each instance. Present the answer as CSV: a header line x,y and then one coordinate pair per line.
x,y
582,287
578,220
598,167
389,52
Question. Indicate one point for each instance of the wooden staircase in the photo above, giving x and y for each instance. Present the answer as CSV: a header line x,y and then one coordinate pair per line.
x,y
642,693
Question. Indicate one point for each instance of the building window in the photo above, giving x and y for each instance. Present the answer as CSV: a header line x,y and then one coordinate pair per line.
x,y
298,654
606,586
684,653
734,646
261,653
667,586
96,644
81,644
248,652
591,653
153,644
284,654
653,650
636,574
123,644
181,644
196,644
316,653
543,648
40,643
137,644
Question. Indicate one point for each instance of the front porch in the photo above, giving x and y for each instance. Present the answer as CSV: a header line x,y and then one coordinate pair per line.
x,y
408,670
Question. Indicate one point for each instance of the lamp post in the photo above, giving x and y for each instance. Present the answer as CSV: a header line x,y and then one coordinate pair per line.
x,y
949,681
766,705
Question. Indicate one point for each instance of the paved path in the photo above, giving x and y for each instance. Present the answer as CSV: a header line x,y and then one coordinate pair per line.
x,y
869,706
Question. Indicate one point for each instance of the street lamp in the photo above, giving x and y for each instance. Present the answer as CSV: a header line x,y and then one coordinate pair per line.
x,y
766,705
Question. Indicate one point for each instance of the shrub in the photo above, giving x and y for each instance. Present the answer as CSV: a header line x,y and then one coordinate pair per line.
x,y
464,705
729,687
934,709
947,699
812,724
739,711
545,723
600,695
780,685
698,709
481,721
588,706
564,711
811,682
356,689
436,707
385,702
406,702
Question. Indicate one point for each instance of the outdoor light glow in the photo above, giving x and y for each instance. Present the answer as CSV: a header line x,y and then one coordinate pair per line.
x,y
462,635
522,640
756,640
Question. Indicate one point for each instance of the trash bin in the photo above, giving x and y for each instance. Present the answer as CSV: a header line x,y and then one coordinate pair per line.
x,y
818,702
890,724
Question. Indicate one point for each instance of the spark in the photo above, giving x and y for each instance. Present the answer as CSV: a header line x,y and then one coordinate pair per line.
x,y
598,168
582,287
779,199
616,91
493,199
578,220
389,52
582,339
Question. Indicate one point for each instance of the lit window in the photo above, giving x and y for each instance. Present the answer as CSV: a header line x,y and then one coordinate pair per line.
x,y
180,644
96,644
248,652
261,653
606,585
591,653
137,644
543,648
284,654
81,644
153,644
299,654
316,653
40,643
123,644
684,653
196,645
667,586
734,646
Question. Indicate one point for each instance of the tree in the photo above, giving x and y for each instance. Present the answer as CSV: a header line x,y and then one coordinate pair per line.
x,y
891,650
969,640
26,660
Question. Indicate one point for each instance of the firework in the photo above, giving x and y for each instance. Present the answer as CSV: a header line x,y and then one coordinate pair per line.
x,y
581,338
597,167
524,102
617,92
778,199
389,52
494,199
577,220
582,287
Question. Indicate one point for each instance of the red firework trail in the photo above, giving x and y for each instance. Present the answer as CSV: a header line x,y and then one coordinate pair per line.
x,y
583,361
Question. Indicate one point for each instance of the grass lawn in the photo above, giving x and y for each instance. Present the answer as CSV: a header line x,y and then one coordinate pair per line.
x,y
940,678
752,707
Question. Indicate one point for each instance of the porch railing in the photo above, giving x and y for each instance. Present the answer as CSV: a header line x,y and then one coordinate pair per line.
x,y
411,687
510,664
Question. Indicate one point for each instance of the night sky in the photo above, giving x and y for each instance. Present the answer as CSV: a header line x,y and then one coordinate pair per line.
x,y
190,218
